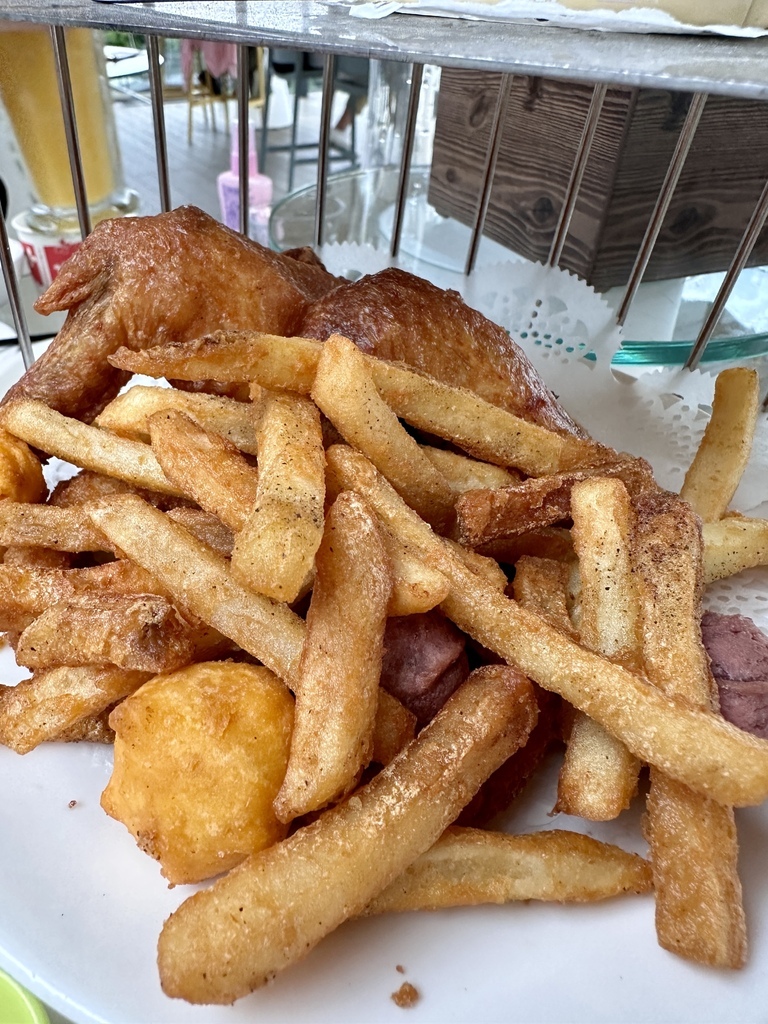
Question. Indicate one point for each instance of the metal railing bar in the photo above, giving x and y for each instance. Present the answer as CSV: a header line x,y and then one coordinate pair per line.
x,y
491,156
329,74
577,173
242,133
14,298
158,122
70,128
417,73
746,245
668,187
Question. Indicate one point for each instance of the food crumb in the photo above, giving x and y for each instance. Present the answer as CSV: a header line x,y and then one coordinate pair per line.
x,y
400,969
71,804
406,996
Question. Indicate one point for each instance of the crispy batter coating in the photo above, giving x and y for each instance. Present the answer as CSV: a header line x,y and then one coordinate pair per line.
x,y
397,316
117,287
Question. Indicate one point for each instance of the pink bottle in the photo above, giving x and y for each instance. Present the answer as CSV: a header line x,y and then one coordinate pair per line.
x,y
259,191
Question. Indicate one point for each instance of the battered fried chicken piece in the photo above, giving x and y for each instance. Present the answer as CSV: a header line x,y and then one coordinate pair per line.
x,y
142,281
397,316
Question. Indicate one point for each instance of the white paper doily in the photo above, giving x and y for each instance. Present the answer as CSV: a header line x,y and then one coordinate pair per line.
x,y
661,415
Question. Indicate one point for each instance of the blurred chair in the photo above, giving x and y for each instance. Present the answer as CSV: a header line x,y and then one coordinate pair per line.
x,y
204,66
305,70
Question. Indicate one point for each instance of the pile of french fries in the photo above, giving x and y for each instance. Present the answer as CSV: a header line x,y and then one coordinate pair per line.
x,y
213,588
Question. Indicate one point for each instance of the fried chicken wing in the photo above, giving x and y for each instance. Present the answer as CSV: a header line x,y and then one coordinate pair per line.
x,y
397,316
140,281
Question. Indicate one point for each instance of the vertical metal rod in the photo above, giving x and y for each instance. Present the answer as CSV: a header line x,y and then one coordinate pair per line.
x,y
668,187
329,73
746,245
417,73
242,133
158,121
70,128
12,286
491,156
577,174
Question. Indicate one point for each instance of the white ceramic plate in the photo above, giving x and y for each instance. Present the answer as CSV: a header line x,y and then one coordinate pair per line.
x,y
82,909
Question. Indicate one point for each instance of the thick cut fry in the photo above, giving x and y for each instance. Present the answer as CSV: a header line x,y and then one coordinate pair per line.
x,y
86,487
468,866
93,729
85,446
45,526
26,592
394,727
486,515
345,392
454,414
274,908
206,527
694,850
21,475
128,415
416,587
199,581
733,544
553,542
38,558
598,778
54,701
687,743
142,632
722,456
465,474
275,548
338,681
204,466
541,584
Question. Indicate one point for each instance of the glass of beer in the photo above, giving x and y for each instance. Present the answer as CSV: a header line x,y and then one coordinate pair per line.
x,y
29,90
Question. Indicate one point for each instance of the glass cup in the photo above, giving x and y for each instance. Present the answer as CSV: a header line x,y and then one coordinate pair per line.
x,y
30,93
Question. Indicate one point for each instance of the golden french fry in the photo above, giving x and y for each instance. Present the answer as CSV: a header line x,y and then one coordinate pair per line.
x,y
274,550
128,415
394,727
468,866
598,778
276,906
466,474
455,414
553,542
21,475
281,364
86,487
732,544
85,446
542,585
486,515
91,729
142,632
687,743
199,756
46,526
57,699
26,591
416,587
38,558
204,466
337,686
694,850
722,456
199,581
345,392
206,527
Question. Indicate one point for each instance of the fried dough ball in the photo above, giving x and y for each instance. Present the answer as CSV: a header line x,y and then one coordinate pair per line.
x,y
199,757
